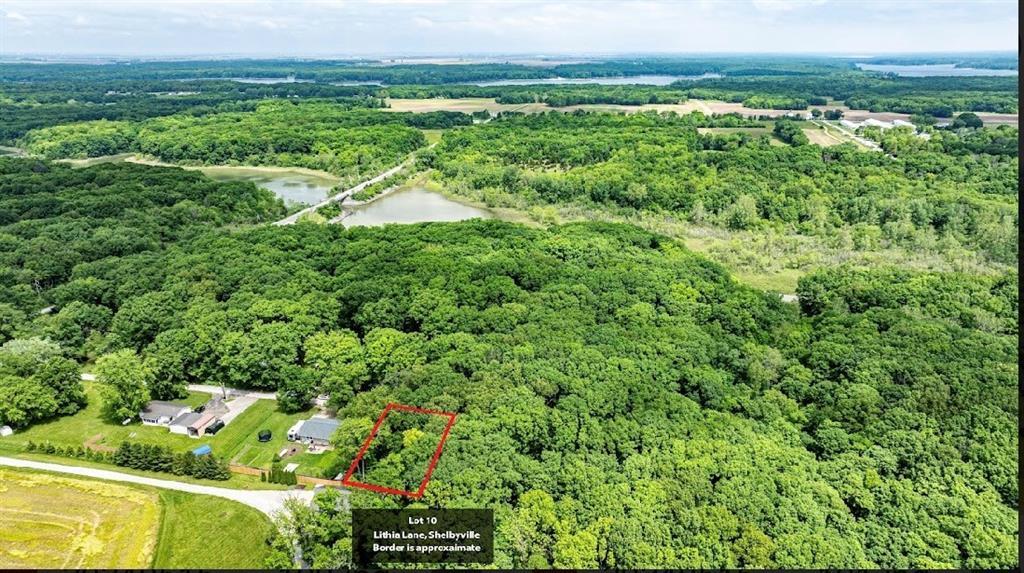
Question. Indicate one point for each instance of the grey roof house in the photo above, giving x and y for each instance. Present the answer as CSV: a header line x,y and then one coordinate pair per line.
x,y
315,431
159,413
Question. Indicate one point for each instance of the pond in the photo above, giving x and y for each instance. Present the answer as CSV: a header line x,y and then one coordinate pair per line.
x,y
413,205
925,70
294,187
650,80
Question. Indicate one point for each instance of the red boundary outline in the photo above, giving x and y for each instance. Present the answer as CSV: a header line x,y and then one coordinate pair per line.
x,y
347,479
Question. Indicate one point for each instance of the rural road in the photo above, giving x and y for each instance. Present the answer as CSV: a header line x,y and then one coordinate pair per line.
x,y
211,389
267,501
216,390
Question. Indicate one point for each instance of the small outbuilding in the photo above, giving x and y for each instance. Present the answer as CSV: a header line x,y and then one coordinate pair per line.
x,y
203,450
6,431
192,424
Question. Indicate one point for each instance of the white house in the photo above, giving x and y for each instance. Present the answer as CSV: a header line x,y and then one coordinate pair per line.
x,y
158,413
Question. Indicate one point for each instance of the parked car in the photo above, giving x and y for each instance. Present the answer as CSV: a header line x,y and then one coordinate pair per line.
x,y
264,436
214,427
199,409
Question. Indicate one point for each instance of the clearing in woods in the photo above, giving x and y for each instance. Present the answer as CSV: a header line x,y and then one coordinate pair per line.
x,y
49,521
823,137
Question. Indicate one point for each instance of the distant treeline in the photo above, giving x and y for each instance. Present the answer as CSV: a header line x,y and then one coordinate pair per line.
x,y
412,73
982,61
28,106
317,135
939,96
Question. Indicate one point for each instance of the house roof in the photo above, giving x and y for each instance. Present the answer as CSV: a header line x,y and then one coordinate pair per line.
x,y
158,409
318,428
201,422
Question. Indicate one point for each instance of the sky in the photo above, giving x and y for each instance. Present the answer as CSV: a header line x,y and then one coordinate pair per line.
x,y
452,27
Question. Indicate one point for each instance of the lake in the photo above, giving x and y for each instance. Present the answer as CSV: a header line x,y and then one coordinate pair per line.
x,y
285,80
413,205
925,70
291,186
652,80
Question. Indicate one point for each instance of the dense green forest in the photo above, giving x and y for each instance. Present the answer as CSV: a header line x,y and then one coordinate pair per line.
x,y
28,106
957,190
623,401
56,221
938,96
335,138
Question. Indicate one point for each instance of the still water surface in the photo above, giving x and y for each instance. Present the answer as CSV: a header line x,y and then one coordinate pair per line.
x,y
291,186
652,80
414,205
925,70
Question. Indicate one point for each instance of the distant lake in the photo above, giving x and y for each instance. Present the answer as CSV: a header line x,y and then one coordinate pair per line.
x,y
415,205
291,186
287,80
652,80
925,70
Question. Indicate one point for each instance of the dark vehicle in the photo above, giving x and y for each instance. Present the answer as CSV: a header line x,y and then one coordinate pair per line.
x,y
199,409
264,436
214,427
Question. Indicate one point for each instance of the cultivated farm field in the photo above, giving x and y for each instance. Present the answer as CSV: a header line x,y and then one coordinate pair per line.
x,y
49,521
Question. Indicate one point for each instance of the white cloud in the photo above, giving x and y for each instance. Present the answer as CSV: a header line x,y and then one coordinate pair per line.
x,y
17,17
404,27
785,5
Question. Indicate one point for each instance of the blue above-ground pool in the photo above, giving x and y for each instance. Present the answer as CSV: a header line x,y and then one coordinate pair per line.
x,y
202,450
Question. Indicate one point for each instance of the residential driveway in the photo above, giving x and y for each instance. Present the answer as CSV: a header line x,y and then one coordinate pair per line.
x,y
267,501
236,406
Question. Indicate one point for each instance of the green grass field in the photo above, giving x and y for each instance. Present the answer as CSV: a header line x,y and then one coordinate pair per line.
x,y
54,521
202,532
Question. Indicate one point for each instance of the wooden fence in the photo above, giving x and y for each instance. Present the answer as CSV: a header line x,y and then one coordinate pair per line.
x,y
305,480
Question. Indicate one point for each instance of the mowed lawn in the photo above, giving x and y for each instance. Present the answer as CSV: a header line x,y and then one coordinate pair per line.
x,y
237,442
240,439
88,426
203,532
51,521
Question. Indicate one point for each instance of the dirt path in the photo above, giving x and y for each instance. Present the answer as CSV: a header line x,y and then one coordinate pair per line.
x,y
267,501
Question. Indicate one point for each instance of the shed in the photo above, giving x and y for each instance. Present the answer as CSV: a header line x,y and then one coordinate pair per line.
x,y
198,427
202,450
180,424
